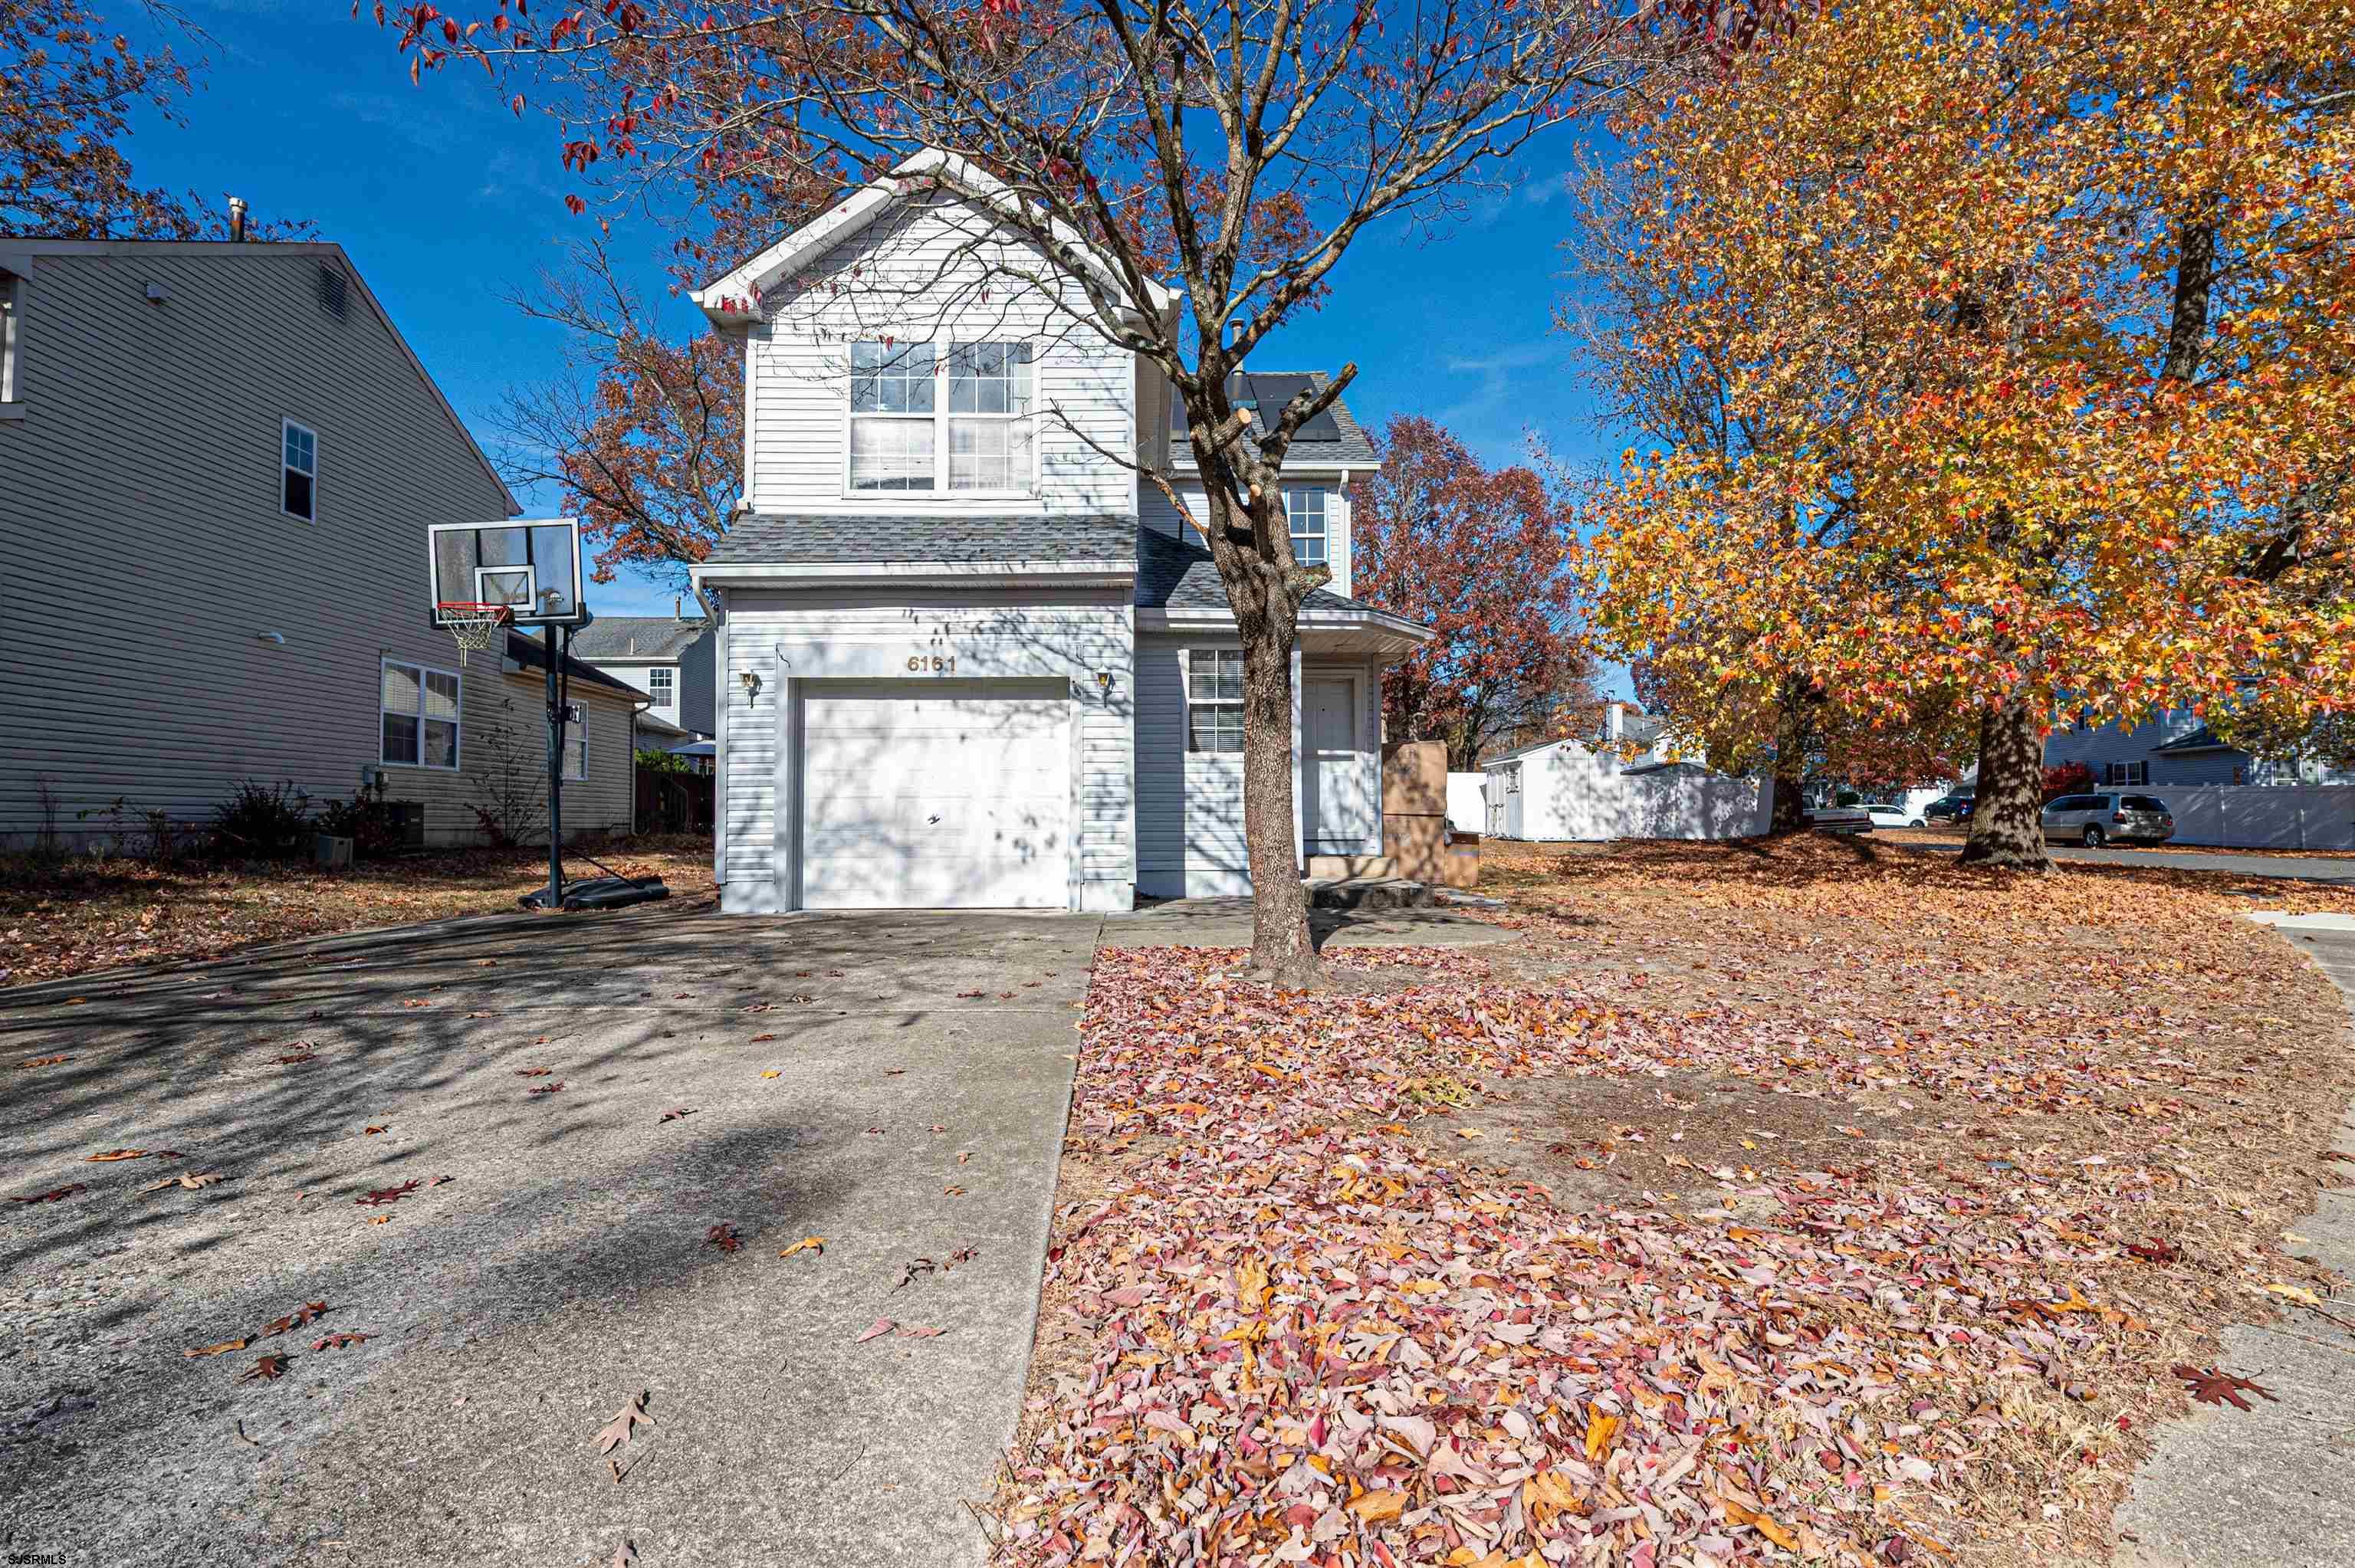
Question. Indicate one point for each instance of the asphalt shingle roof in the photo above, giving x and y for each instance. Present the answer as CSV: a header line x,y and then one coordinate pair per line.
x,y
1173,575
1334,438
870,540
532,654
636,637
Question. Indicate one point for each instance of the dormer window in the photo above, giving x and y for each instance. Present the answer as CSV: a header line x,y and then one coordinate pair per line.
x,y
907,434
1304,509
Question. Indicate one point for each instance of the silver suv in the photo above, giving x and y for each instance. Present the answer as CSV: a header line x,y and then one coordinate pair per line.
x,y
2095,819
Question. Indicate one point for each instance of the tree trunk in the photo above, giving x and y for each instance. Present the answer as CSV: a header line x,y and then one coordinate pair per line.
x,y
1790,807
2006,823
1267,619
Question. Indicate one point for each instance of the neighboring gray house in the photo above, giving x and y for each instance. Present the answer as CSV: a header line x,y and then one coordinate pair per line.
x,y
968,656
2174,749
217,462
668,657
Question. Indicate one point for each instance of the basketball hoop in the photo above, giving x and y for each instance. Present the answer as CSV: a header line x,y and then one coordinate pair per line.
x,y
474,627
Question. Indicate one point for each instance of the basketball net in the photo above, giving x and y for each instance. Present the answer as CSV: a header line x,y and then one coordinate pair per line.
x,y
474,627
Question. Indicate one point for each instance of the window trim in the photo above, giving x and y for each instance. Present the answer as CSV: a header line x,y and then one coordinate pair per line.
x,y
669,675
11,344
1186,679
457,763
580,727
288,425
941,418
1324,534
2121,775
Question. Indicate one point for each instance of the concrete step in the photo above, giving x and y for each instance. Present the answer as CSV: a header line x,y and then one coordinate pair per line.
x,y
1369,893
1350,868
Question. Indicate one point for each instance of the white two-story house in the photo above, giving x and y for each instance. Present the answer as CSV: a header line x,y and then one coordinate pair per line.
x,y
968,655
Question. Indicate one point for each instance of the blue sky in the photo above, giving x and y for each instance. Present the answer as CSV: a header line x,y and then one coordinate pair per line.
x,y
449,203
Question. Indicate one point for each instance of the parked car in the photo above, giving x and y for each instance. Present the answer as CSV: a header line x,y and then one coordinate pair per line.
x,y
1950,809
1841,820
1885,814
2095,819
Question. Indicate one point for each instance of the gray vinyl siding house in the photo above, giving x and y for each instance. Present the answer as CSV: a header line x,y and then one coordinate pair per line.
x,y
168,625
1026,695
2176,747
666,656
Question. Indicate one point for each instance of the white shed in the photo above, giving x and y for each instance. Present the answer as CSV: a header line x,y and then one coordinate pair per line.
x,y
1559,789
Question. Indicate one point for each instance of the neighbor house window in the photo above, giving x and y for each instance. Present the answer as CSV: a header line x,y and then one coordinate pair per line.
x,y
420,709
2125,773
576,751
906,436
1306,508
662,685
9,314
1214,699
299,470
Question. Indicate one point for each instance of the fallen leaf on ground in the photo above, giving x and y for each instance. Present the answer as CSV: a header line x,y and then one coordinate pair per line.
x,y
379,1126
555,1088
724,1237
874,1330
381,1220
221,1349
265,1370
2153,1251
914,1268
674,1116
769,1073
297,1058
383,1195
624,1425
44,1062
807,1244
340,1340
2298,1294
51,1196
437,1181
920,1333
295,1320
533,1072
962,1254
2209,1386
952,1192
113,1154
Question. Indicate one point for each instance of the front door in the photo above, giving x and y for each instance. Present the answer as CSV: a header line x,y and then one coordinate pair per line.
x,y
1340,814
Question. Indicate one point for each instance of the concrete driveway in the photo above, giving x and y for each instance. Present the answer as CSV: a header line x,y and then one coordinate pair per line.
x,y
561,1269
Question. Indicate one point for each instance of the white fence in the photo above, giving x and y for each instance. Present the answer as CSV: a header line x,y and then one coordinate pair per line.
x,y
1567,792
2255,816
1467,802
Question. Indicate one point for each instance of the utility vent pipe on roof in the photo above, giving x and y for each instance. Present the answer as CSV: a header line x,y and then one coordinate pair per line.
x,y
237,221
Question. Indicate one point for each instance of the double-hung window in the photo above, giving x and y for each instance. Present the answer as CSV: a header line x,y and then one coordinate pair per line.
x,y
299,470
908,434
1214,700
2125,773
576,751
420,711
662,685
1305,510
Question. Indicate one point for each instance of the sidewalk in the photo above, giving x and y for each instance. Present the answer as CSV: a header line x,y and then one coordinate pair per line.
x,y
2269,1487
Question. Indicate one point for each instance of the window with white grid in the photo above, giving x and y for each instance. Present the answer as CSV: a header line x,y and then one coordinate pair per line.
x,y
1305,509
972,436
1214,700
419,707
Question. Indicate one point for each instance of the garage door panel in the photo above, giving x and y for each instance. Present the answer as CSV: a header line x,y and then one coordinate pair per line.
x,y
918,795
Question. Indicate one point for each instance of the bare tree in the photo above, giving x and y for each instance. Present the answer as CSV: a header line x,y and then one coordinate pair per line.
x,y
1183,178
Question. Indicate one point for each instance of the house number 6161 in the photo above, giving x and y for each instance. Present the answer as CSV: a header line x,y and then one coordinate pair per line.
x,y
939,664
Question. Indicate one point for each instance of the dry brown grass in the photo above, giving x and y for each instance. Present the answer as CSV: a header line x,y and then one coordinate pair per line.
x,y
60,919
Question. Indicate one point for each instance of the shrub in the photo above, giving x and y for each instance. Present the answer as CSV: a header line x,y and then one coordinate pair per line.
x,y
651,761
2067,779
367,820
263,821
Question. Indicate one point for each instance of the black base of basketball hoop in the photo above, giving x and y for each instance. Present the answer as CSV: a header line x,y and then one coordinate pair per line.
x,y
600,893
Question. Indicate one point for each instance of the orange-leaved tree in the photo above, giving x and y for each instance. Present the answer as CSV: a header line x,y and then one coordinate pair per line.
x,y
2035,316
1477,555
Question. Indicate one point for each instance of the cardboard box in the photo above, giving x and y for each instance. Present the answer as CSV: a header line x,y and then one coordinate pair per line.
x,y
1423,848
1414,779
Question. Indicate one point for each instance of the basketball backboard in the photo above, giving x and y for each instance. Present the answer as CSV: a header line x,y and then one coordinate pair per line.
x,y
531,567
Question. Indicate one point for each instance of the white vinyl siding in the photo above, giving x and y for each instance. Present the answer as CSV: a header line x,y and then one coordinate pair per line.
x,y
799,374
838,635
1189,804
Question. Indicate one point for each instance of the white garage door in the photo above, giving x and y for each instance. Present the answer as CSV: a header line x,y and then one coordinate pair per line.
x,y
933,795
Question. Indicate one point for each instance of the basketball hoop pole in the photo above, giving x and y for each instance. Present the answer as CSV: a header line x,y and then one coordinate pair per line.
x,y
555,767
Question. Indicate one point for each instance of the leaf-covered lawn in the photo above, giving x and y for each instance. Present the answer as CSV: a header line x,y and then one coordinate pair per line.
x,y
1325,1287
66,919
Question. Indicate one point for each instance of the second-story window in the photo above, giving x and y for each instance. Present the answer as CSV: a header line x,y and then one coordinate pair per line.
x,y
662,685
909,434
891,417
299,472
8,312
1306,508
